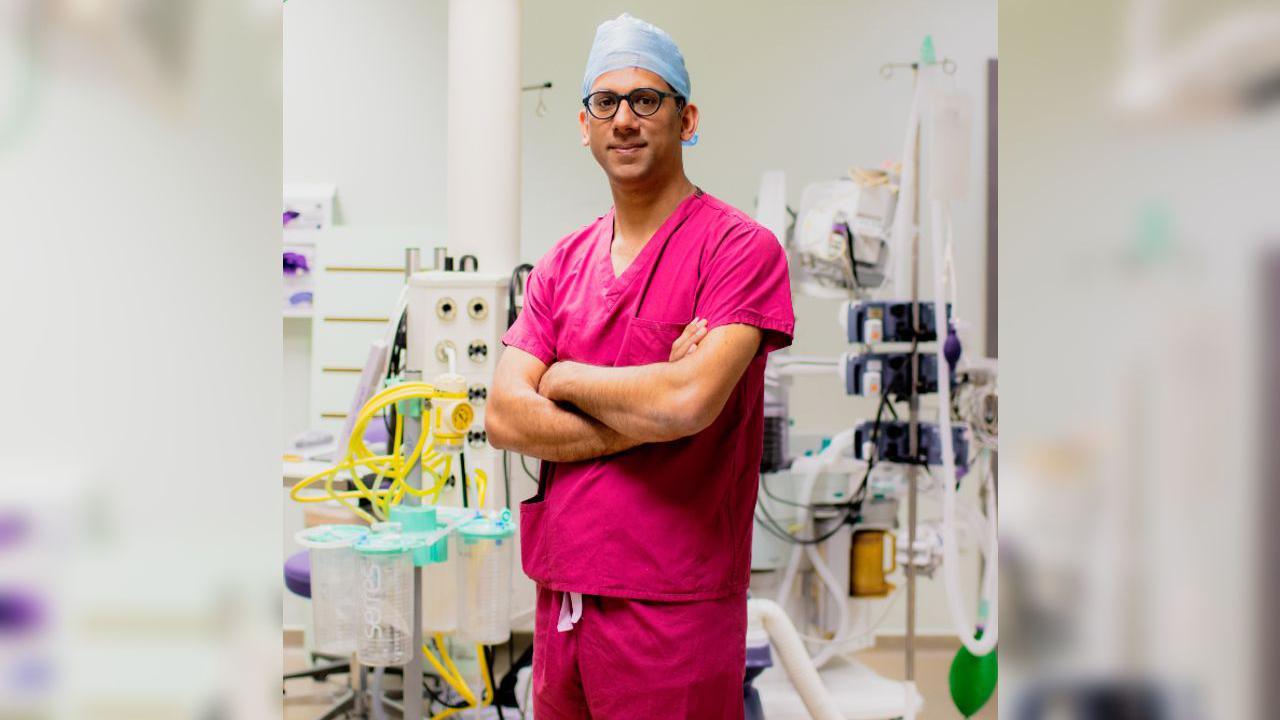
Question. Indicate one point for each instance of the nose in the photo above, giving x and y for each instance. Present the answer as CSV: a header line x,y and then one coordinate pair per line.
x,y
624,118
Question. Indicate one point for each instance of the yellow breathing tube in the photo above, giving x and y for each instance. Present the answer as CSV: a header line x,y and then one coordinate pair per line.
x,y
449,425
436,465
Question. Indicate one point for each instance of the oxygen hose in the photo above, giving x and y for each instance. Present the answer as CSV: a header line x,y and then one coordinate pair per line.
x,y
904,226
795,661
811,467
989,610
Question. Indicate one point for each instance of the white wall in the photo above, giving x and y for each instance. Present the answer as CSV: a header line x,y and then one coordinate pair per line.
x,y
295,384
792,86
364,97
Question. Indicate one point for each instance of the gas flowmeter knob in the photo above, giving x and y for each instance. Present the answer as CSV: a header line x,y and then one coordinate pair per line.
x,y
451,415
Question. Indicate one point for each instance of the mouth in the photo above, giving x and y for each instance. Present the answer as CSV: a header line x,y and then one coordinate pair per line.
x,y
627,149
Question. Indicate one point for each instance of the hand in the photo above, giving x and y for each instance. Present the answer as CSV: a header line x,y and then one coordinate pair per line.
x,y
553,379
689,339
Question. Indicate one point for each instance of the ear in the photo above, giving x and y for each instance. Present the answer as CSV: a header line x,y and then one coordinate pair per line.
x,y
582,125
688,122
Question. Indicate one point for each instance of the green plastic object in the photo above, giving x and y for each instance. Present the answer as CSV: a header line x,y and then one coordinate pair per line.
x,y
325,537
418,520
972,680
927,54
405,408
1156,239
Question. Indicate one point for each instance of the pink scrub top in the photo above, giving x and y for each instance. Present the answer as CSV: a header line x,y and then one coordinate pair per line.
x,y
662,521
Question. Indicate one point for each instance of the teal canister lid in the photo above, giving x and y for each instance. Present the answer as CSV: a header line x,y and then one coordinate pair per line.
x,y
417,520
494,530
414,518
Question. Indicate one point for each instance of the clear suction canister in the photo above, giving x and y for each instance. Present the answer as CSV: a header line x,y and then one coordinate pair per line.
x,y
385,636
335,575
484,597
440,591
439,566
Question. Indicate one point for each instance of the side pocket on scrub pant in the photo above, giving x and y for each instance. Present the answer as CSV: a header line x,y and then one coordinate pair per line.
x,y
647,341
533,530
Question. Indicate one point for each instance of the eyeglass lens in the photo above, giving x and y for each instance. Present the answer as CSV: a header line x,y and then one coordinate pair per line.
x,y
644,102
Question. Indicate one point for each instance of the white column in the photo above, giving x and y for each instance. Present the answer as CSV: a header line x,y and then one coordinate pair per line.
x,y
484,132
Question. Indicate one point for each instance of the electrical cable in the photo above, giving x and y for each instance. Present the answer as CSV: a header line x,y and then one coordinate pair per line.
x,y
781,533
764,485
853,262
526,469
395,366
976,401
506,479
490,657
462,460
851,507
519,276
436,697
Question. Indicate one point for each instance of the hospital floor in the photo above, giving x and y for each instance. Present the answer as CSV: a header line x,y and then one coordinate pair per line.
x,y
307,699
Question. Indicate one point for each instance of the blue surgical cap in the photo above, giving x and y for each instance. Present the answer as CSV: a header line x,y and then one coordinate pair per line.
x,y
628,42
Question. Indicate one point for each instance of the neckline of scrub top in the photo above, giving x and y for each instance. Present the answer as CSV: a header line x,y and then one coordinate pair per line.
x,y
617,283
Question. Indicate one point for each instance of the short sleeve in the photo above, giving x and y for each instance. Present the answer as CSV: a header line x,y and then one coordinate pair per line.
x,y
746,281
533,331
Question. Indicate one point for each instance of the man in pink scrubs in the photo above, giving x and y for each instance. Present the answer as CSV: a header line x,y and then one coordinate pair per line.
x,y
636,373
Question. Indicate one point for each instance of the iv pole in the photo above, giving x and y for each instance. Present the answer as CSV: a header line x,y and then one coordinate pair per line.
x,y
412,699
913,398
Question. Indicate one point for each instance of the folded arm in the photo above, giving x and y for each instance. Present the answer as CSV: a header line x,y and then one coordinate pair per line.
x,y
662,401
517,418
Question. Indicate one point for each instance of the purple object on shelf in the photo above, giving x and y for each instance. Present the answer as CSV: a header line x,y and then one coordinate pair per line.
x,y
297,574
376,434
301,298
290,216
13,528
295,263
20,613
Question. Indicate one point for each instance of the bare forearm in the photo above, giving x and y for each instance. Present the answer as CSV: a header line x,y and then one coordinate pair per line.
x,y
660,401
532,425
642,401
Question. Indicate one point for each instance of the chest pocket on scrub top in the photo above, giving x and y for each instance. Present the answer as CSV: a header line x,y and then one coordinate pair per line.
x,y
647,341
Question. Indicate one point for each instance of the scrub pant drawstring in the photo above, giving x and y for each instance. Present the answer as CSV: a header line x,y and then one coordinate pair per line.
x,y
570,611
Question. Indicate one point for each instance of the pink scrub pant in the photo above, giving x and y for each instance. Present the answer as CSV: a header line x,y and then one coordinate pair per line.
x,y
627,659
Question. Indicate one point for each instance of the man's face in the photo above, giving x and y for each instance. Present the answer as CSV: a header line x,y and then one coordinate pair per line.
x,y
633,149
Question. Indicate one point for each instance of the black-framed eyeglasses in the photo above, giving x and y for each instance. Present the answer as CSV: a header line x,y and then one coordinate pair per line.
x,y
644,102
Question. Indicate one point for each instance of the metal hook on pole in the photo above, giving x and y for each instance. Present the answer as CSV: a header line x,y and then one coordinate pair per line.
x,y
541,109
886,70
